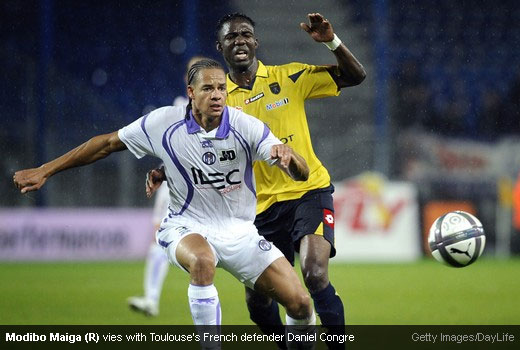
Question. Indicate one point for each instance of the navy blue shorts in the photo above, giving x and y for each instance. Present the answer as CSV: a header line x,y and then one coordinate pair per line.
x,y
286,223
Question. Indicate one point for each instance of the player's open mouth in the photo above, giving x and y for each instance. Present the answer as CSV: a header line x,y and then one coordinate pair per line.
x,y
241,55
216,107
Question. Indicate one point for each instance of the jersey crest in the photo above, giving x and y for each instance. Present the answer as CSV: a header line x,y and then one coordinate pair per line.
x,y
209,158
275,88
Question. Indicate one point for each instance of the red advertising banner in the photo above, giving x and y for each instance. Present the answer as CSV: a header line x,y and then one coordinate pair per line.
x,y
376,220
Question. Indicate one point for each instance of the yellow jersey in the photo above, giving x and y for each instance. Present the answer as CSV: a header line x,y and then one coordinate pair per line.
x,y
277,98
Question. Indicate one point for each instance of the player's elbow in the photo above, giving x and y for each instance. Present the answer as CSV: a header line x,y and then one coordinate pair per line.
x,y
114,143
359,76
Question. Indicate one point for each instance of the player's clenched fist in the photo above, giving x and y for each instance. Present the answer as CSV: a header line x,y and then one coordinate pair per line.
x,y
29,179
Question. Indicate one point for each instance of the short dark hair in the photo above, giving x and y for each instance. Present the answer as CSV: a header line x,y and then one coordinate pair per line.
x,y
205,63
230,17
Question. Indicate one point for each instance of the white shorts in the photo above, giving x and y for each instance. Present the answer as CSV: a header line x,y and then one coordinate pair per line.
x,y
245,256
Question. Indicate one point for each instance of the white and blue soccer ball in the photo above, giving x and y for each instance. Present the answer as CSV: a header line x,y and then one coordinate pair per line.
x,y
457,239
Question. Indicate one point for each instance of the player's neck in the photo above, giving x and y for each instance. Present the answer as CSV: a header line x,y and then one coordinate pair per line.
x,y
207,122
244,77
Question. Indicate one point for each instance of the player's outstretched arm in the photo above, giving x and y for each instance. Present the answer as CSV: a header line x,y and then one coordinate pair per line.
x,y
94,149
291,162
349,71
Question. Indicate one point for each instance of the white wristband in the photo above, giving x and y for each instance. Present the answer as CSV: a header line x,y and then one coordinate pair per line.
x,y
334,44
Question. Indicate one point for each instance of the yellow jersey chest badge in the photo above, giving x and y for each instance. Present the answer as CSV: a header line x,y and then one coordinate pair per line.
x,y
275,88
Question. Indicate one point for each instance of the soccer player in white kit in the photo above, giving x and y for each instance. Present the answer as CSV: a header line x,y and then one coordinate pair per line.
x,y
208,151
156,263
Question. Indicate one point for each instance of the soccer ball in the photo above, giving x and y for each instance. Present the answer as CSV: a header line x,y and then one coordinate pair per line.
x,y
457,239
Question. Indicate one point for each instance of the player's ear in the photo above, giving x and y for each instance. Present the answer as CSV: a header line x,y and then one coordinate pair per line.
x,y
256,43
189,92
218,45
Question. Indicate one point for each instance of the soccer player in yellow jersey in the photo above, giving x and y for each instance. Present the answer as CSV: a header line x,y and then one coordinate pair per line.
x,y
295,216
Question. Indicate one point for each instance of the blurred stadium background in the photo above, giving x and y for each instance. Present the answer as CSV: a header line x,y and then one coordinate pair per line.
x,y
434,127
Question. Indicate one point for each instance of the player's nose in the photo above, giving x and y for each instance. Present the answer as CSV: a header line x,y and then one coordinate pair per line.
x,y
240,40
216,96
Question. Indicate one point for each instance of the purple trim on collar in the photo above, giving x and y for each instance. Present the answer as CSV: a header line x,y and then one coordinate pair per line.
x,y
192,125
223,128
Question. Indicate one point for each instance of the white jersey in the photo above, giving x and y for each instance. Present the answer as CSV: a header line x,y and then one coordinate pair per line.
x,y
209,174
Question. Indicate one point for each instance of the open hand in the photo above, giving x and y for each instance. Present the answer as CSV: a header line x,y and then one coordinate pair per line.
x,y
318,28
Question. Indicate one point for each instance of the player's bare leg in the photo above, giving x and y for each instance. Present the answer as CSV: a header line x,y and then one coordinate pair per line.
x,y
280,282
314,261
195,255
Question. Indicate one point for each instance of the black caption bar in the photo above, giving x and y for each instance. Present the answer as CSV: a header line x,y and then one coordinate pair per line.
x,y
250,338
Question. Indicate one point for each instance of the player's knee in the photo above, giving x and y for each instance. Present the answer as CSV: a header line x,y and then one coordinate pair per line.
x,y
300,306
259,307
202,269
315,277
256,300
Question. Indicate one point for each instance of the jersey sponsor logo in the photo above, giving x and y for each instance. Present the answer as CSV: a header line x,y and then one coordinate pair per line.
x,y
254,98
277,104
231,188
275,88
227,157
228,154
286,139
206,144
264,245
216,180
328,218
209,158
